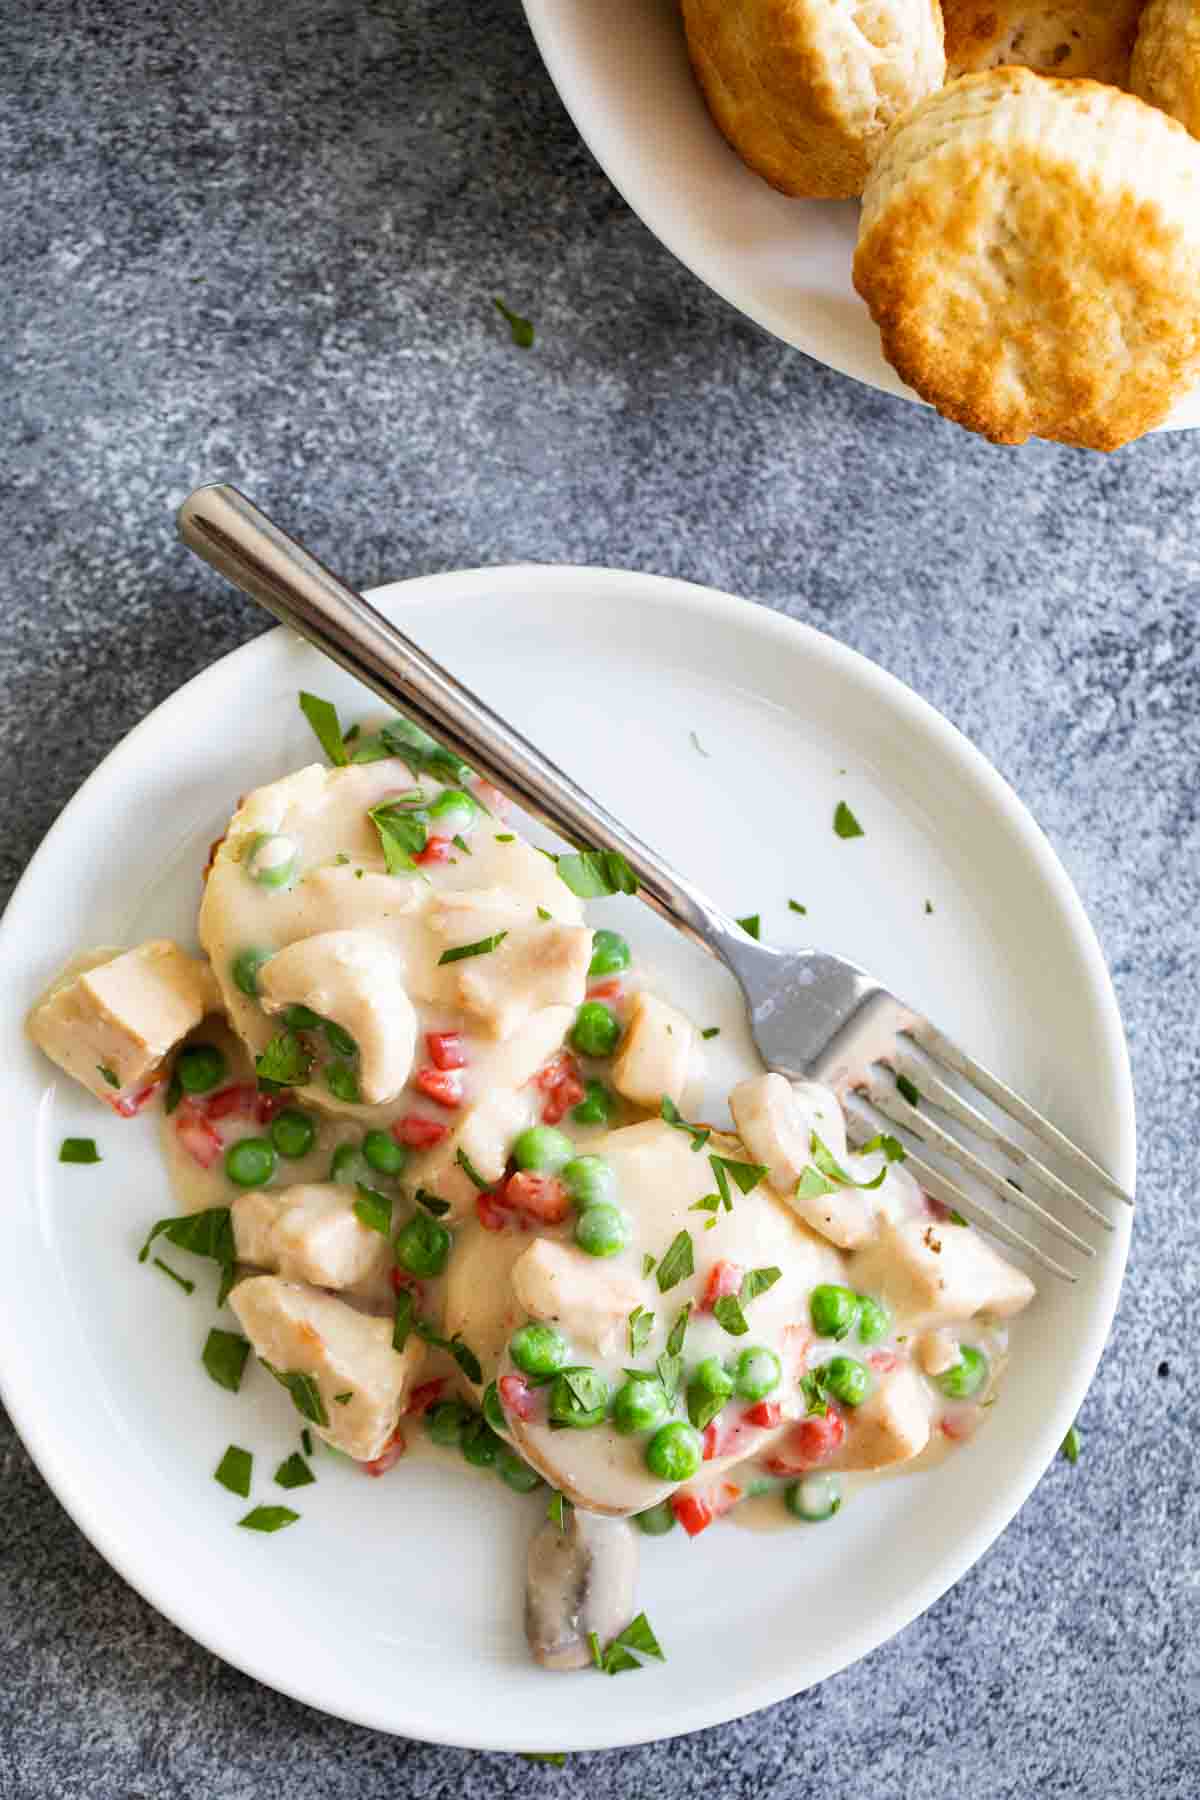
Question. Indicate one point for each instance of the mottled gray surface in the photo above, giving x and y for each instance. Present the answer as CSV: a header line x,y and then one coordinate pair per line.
x,y
260,242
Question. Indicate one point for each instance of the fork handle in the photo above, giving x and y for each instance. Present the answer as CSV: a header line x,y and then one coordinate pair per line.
x,y
228,532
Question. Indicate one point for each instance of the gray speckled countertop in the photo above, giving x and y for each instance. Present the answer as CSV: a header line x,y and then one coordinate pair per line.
x,y
260,242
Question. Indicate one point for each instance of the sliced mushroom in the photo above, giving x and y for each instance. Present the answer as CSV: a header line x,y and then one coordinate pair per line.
x,y
656,1053
581,1579
356,979
776,1120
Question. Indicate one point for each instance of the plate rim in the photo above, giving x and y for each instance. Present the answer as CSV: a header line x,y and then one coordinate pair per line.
x,y
39,1438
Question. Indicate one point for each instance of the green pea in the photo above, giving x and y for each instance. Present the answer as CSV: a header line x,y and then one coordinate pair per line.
x,y
542,1148
245,967
579,1398
302,1018
846,1380
293,1133
598,1106
515,1472
815,1498
422,1246
833,1310
340,1041
610,953
454,810
595,1031
493,1412
640,1406
539,1349
384,1154
675,1452
447,1422
656,1521
250,1162
480,1444
757,1372
200,1068
708,1390
342,1083
874,1320
588,1180
349,1166
602,1230
967,1376
271,860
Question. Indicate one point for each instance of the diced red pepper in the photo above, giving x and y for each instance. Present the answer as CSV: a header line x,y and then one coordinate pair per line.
x,y
130,1104
418,1133
491,1214
809,1443
237,1101
712,1441
696,1512
389,1456
443,1086
558,1104
446,1049
498,804
562,1085
542,1197
935,1208
516,1396
423,1397
437,850
883,1361
610,990
766,1415
724,1278
959,1423
197,1135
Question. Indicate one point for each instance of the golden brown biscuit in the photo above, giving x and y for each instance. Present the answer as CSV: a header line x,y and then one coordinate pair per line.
x,y
1071,38
1030,250
1166,60
805,89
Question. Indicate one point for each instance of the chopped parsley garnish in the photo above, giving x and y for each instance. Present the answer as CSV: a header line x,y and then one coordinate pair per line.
x,y
294,1472
711,1203
344,1399
424,754
641,1324
618,1656
189,1287
401,837
505,837
306,1395
729,1310
460,843
699,1134
815,1404
322,716
696,744
268,1518
593,874
431,1203
521,330
711,1031
234,1471
208,1233
1071,1445
403,1320
109,1075
469,1170
484,947
543,914
908,1091
795,906
648,1263
306,1441
670,1373
757,1282
845,823
825,1175
79,1150
929,906
679,1329
678,1263
224,1356
752,926
954,1217
746,1176
373,1209
559,1510
462,1353
285,1061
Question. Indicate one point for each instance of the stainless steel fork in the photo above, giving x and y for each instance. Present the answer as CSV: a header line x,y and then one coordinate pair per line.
x,y
813,1015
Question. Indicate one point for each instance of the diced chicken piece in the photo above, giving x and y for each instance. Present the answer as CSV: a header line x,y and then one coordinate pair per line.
x,y
347,1353
656,1053
308,1233
479,1302
776,1120
535,966
566,1287
111,1025
356,979
932,1268
937,1351
891,1426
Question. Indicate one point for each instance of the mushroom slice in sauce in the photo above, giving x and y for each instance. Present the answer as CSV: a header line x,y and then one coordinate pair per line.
x,y
581,1579
356,979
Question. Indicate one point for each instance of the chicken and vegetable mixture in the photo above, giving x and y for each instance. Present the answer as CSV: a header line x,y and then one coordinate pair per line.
x,y
440,1140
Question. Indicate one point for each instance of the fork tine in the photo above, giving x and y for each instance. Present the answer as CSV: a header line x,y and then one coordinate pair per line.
x,y
935,1183
896,1109
942,1050
933,1090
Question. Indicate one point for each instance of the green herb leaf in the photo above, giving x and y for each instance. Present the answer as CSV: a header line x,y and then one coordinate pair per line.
x,y
825,1175
224,1356
234,1471
462,1353
108,1075
371,749
746,1175
928,906
403,1320
520,329
306,1395
268,1518
727,1311
795,906
373,1209
711,1031
431,1203
294,1472
460,843
322,716
424,755
506,837
757,1282
285,1061
908,1090
401,837
711,1203
678,1263
641,1324
592,874
484,947
543,915
593,1639
208,1233
816,1405
954,1217
679,1329
1072,1444
845,823
469,1170
892,1148
189,1287
306,1441
648,1263
670,1374
639,1636
343,1400
752,926
699,1134
559,1510
78,1150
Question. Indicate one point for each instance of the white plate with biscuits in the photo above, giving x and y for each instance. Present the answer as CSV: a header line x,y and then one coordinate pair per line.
x,y
623,71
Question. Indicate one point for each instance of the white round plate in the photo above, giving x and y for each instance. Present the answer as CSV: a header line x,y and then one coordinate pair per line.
x,y
621,68
397,1603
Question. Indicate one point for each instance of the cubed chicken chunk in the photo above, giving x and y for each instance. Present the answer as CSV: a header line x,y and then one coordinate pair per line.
x,y
930,1267
361,1381
112,1024
562,1285
937,1350
355,978
657,1053
891,1426
776,1120
308,1233
534,966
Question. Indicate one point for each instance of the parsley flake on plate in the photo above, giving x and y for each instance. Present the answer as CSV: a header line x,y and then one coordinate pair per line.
x,y
844,822
322,716
268,1518
521,330
234,1470
78,1150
